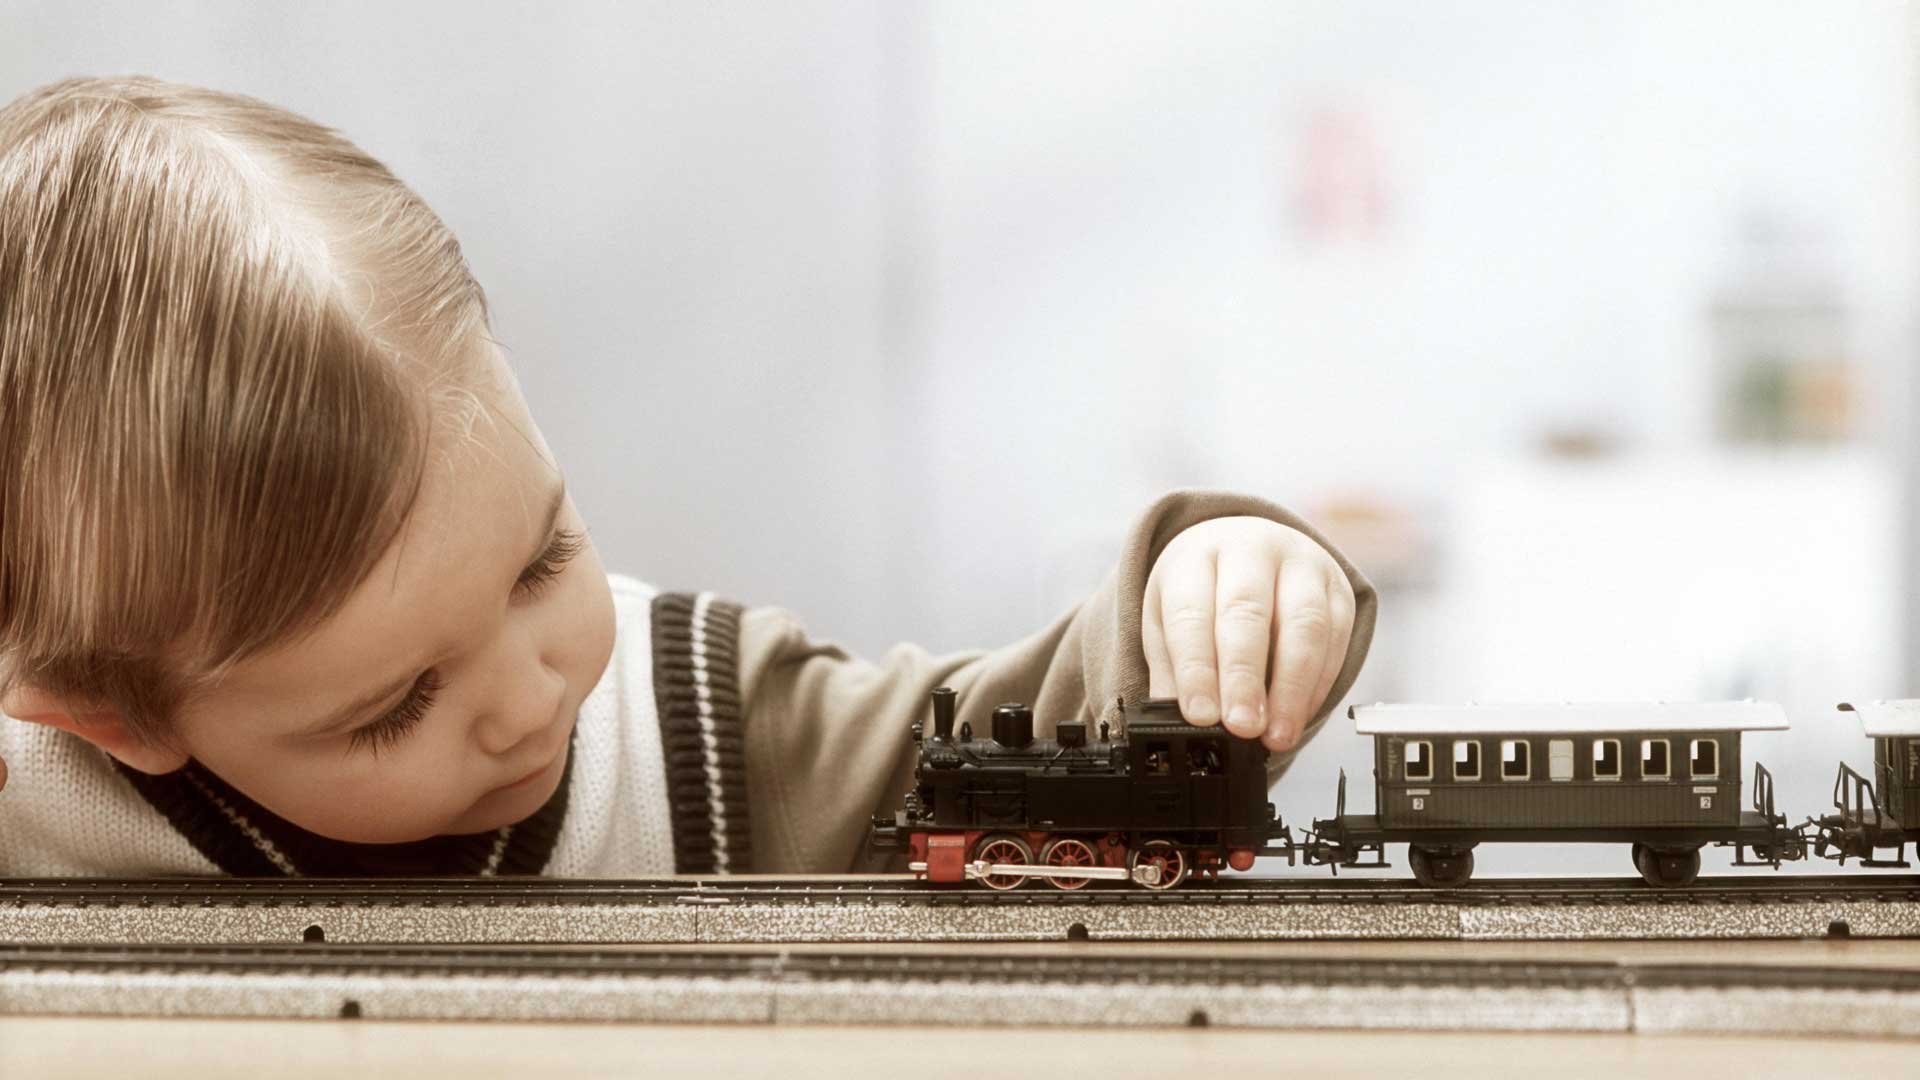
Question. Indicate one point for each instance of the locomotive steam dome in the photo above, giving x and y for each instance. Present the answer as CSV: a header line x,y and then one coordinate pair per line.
x,y
1013,725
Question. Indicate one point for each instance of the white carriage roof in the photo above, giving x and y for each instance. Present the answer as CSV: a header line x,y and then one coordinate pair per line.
x,y
1882,719
1567,717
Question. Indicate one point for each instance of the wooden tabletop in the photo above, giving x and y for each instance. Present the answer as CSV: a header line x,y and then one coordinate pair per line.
x,y
365,1049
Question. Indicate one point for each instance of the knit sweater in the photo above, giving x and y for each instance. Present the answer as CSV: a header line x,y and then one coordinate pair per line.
x,y
719,739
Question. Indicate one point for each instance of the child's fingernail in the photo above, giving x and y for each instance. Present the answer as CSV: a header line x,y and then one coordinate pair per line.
x,y
1200,709
1243,720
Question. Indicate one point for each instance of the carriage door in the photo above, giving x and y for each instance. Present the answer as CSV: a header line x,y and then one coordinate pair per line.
x,y
1887,759
1159,783
1903,794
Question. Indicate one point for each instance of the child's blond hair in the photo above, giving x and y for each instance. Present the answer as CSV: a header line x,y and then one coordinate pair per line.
x,y
220,324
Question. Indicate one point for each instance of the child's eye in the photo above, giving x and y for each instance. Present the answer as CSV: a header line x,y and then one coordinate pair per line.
x,y
565,545
399,721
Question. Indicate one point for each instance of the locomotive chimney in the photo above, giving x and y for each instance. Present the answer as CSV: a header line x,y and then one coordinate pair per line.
x,y
943,713
1013,725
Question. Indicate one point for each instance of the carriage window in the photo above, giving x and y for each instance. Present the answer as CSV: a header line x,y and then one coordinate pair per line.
x,y
1913,761
1159,758
1204,759
1706,759
1653,759
1516,759
1606,759
1419,760
1560,759
1466,760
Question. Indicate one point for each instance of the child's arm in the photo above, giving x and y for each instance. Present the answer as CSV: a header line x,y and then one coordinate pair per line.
x,y
826,734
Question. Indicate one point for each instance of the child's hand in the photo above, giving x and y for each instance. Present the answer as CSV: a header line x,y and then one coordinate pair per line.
x,y
1249,612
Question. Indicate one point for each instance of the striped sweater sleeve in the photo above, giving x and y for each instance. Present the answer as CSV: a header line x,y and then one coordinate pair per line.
x,y
696,683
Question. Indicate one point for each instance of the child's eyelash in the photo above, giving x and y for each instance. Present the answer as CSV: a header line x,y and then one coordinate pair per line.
x,y
400,721
565,545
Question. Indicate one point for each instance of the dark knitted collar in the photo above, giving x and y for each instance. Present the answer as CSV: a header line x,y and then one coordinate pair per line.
x,y
246,839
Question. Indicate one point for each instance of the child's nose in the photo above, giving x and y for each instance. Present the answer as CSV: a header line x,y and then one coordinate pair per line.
x,y
518,717
520,700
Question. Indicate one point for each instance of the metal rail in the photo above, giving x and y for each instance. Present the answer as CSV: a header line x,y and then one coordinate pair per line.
x,y
879,909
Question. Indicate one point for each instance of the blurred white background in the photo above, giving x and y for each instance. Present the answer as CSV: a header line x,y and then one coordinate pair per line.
x,y
1585,328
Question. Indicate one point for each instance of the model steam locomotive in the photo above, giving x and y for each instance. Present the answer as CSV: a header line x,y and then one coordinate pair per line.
x,y
1165,800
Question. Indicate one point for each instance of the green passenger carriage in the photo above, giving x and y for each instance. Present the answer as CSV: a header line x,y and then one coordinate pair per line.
x,y
1664,778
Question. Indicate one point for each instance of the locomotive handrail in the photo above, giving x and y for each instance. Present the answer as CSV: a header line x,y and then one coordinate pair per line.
x,y
1340,800
1850,786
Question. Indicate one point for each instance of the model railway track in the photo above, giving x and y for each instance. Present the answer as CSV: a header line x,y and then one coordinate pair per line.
x,y
427,892
906,988
880,909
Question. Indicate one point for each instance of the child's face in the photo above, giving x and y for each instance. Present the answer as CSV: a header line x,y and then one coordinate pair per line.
x,y
456,603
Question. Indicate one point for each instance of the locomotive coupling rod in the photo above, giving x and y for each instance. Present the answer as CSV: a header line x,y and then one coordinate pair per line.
x,y
1145,873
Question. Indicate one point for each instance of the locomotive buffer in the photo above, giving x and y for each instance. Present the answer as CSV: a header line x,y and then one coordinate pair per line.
x,y
1156,804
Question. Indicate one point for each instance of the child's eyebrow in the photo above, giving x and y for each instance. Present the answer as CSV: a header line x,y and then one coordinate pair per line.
x,y
354,709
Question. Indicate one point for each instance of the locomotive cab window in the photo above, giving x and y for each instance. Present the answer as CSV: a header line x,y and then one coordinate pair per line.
x,y
1606,759
1419,759
1203,758
1466,760
1653,760
1704,759
1516,759
1159,759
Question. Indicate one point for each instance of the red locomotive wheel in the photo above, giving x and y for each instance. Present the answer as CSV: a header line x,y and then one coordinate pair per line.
x,y
1162,853
1006,850
1068,852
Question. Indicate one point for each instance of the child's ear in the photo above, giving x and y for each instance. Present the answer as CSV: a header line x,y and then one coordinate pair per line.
x,y
103,727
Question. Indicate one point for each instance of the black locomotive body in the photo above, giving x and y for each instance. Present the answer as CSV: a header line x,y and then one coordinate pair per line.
x,y
1155,804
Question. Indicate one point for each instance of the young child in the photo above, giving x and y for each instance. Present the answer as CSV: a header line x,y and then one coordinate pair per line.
x,y
290,582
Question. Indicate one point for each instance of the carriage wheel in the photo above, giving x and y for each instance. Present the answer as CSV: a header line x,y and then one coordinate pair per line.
x,y
1068,852
1162,853
1007,850
1440,867
1666,868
